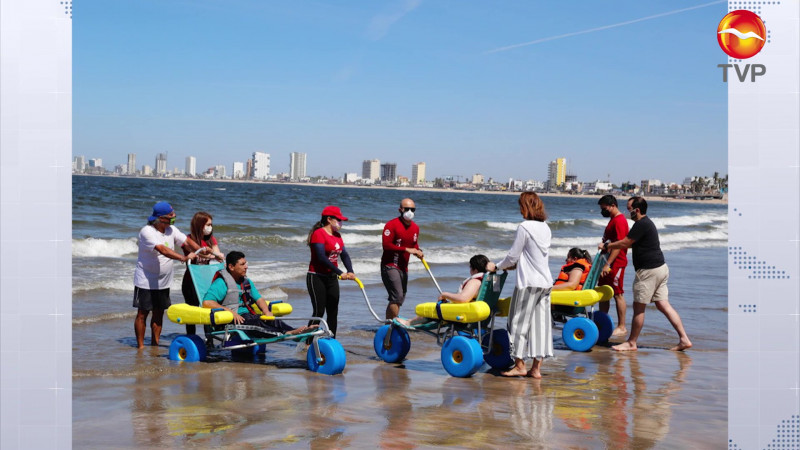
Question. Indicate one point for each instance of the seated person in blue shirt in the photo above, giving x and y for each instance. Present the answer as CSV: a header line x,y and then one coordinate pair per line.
x,y
233,291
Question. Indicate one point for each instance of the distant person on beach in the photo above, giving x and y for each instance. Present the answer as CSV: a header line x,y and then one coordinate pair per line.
x,y
652,274
400,241
327,247
574,272
158,242
233,291
202,232
468,291
530,324
616,260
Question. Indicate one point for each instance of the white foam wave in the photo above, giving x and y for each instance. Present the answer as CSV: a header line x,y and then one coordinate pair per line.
x,y
679,221
508,226
367,227
92,247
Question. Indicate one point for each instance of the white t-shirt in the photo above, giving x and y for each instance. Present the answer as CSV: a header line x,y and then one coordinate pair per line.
x,y
154,270
531,253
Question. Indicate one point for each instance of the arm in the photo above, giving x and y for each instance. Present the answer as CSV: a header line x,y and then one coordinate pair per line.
x,y
466,295
388,243
172,254
625,242
611,257
514,253
319,253
216,292
350,275
572,282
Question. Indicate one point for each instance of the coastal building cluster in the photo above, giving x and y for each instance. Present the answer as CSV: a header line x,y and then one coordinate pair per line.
x,y
377,173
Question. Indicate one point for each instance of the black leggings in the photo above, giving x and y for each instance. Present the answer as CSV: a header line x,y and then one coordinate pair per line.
x,y
324,292
189,296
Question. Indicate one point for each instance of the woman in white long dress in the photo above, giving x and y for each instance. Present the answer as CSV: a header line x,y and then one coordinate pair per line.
x,y
529,321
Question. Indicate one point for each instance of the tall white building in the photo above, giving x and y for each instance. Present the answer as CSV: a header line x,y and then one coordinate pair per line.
x,y
131,163
477,179
260,165
297,165
418,173
161,164
191,166
219,171
96,162
238,170
147,170
79,164
371,169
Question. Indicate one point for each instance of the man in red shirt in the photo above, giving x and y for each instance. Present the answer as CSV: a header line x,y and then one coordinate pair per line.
x,y
400,237
614,270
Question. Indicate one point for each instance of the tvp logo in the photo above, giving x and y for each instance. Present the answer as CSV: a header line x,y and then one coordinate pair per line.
x,y
741,34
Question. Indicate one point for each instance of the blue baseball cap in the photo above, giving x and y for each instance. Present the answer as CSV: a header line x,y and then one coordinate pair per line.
x,y
160,209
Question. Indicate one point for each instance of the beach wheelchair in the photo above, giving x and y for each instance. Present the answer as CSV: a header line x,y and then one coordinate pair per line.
x,y
325,354
583,326
465,331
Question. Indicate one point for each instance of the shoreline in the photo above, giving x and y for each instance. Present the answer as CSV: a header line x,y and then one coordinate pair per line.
x,y
722,201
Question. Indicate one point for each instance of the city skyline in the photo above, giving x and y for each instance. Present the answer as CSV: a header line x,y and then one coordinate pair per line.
x,y
505,96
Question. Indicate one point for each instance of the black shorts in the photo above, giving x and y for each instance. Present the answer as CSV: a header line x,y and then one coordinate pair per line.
x,y
148,299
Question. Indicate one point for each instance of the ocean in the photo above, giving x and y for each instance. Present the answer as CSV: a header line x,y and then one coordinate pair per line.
x,y
269,223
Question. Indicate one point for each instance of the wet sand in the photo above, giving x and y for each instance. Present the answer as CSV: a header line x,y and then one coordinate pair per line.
x,y
653,398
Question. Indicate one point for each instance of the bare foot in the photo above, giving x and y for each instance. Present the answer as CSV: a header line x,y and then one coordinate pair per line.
x,y
619,331
684,344
514,373
302,330
534,374
404,322
626,346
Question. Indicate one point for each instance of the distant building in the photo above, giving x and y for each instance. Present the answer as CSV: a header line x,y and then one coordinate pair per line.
x,y
418,173
131,169
147,170
79,164
248,169
260,165
533,185
654,187
219,171
477,179
556,173
95,163
389,172
370,169
161,164
191,166
350,177
176,171
402,181
238,171
598,186
120,169
297,165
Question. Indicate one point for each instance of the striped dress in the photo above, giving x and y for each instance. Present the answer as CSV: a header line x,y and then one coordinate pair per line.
x,y
530,325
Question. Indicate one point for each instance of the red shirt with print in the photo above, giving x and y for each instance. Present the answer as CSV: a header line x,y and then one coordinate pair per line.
x,y
333,248
396,238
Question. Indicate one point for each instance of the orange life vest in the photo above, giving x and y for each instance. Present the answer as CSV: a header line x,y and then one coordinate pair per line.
x,y
563,275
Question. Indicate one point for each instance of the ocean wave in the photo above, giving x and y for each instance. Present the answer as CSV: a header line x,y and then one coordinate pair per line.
x,y
92,247
507,226
367,227
88,320
679,221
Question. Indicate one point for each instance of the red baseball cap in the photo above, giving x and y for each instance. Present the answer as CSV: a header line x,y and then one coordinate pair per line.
x,y
333,211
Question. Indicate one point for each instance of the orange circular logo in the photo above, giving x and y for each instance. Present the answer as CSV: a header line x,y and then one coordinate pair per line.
x,y
741,34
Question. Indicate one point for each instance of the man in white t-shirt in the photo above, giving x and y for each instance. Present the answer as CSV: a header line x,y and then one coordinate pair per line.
x,y
158,244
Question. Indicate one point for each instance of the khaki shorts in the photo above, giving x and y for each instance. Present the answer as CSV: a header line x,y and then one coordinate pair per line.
x,y
651,285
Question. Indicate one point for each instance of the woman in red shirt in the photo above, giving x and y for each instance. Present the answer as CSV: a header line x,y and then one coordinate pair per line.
x,y
327,247
202,233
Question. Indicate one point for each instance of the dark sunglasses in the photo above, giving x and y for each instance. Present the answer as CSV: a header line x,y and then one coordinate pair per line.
x,y
410,209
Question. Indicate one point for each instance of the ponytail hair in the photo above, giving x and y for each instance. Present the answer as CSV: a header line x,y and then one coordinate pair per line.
x,y
322,222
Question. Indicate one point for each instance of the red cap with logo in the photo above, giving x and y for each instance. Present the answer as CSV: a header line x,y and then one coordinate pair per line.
x,y
333,211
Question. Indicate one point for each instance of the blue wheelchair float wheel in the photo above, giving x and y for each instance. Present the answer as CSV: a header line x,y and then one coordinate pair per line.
x,y
580,334
499,355
183,348
201,345
396,349
461,356
605,326
333,358
241,353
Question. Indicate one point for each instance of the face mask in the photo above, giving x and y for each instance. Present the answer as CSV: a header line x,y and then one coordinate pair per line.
x,y
172,220
336,225
633,215
408,215
207,230
605,213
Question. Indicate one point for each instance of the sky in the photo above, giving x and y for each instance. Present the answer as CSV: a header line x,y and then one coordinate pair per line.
x,y
625,90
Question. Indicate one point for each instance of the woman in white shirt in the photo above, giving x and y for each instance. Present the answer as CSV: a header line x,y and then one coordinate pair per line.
x,y
529,321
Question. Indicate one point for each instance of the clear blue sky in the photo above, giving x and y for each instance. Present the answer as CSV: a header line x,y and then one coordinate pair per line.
x,y
442,82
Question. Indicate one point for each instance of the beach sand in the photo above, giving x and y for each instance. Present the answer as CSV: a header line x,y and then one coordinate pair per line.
x,y
600,399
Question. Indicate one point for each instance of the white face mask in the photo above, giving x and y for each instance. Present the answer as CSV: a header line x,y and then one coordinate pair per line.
x,y
207,230
336,225
408,215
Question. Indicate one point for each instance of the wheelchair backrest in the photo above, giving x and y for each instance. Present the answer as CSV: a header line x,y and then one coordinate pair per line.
x,y
202,276
491,287
594,273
